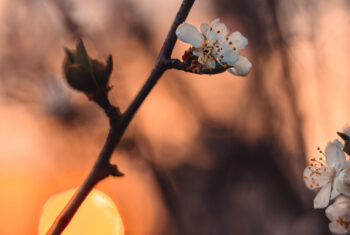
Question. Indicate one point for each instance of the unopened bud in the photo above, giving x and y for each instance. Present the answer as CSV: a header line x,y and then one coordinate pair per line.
x,y
85,74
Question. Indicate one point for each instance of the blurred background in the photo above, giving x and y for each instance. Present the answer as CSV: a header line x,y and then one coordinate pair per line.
x,y
205,154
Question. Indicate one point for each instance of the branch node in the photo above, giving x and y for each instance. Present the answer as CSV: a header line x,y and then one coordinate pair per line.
x,y
114,171
112,112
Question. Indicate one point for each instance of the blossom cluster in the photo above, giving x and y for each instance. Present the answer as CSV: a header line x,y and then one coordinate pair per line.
x,y
214,47
330,174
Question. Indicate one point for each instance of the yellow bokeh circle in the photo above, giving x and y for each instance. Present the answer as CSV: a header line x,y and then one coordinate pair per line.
x,y
97,215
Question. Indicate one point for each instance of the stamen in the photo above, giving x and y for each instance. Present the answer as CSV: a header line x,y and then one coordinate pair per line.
x,y
342,222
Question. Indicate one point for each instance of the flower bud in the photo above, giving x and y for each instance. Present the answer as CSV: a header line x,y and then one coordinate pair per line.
x,y
85,74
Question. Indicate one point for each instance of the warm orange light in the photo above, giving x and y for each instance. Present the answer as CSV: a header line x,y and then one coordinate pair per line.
x,y
97,215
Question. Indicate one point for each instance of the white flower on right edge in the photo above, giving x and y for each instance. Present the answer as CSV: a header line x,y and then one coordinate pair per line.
x,y
323,173
339,214
214,45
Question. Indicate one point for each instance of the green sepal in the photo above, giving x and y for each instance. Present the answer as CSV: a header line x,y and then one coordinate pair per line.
x,y
81,56
346,139
344,136
108,69
70,55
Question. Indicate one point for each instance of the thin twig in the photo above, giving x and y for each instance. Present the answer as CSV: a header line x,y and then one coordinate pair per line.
x,y
118,124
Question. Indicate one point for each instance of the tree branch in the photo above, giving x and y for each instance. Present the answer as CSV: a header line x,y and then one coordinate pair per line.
x,y
118,124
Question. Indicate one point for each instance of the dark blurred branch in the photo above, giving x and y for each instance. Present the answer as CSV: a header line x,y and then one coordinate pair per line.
x,y
118,124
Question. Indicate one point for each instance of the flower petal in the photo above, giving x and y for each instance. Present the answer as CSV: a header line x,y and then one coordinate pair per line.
x,y
346,130
335,192
241,67
342,182
188,33
204,29
229,56
322,198
315,180
214,22
332,212
217,31
237,40
335,155
339,214
335,227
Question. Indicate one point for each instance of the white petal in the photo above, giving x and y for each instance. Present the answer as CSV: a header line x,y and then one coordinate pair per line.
x,y
312,180
188,33
322,198
241,67
214,22
217,31
204,29
342,182
238,40
337,228
229,56
335,155
332,212
346,130
335,192
340,208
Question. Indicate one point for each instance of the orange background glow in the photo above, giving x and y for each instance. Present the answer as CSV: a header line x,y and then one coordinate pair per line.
x,y
50,135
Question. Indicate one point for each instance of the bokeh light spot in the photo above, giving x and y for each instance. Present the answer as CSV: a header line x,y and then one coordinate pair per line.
x,y
97,215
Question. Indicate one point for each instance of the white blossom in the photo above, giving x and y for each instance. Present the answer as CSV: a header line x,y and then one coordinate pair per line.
x,y
215,45
339,214
343,181
323,173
